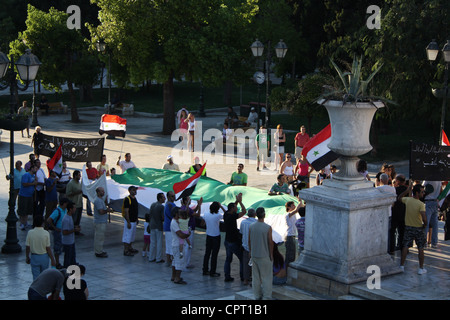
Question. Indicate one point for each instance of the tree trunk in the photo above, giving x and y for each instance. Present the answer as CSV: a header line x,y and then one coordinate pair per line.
x,y
86,93
73,103
169,108
227,93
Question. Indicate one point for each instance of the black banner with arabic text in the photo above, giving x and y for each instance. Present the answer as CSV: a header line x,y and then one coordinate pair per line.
x,y
73,149
429,162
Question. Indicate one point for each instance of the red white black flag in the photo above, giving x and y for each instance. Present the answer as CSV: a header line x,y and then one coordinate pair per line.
x,y
186,187
113,125
316,150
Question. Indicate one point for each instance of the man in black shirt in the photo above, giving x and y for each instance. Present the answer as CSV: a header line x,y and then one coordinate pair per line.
x,y
398,216
130,215
233,240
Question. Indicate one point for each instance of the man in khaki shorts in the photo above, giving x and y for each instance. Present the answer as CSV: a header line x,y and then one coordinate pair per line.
x,y
415,222
130,220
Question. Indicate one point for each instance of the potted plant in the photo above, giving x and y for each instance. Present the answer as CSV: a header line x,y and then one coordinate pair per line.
x,y
13,122
351,111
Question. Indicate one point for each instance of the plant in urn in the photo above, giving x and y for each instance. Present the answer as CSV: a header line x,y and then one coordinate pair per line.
x,y
351,112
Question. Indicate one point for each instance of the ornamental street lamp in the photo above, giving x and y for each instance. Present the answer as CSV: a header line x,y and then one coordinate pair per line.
x,y
432,53
280,50
27,68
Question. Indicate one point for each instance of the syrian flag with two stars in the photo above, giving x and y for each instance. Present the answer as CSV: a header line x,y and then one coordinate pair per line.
x,y
186,187
113,125
55,163
316,150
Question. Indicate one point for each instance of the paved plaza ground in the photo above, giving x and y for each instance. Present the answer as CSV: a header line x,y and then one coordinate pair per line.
x,y
134,278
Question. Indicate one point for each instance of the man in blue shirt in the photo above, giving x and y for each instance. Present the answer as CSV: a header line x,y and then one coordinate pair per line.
x,y
54,223
26,201
18,173
166,226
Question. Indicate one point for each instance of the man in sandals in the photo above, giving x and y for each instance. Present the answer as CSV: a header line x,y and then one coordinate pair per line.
x,y
178,262
130,216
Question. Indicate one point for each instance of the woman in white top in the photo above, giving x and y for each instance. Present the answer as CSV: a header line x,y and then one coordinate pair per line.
x,y
362,169
280,139
191,122
287,168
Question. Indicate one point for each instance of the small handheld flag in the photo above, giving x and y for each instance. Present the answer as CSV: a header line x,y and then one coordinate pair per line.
x,y
55,163
186,187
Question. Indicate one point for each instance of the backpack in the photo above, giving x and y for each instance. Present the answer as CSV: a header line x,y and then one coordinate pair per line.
x,y
48,227
123,205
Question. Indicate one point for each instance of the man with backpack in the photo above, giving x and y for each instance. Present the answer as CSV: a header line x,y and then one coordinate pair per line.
x,y
54,224
130,215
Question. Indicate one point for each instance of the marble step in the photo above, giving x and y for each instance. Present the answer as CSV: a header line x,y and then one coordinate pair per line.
x,y
284,292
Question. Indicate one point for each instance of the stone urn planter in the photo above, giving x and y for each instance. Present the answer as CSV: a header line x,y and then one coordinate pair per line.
x,y
13,124
350,129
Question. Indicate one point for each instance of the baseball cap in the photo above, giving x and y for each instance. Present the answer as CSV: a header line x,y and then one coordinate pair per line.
x,y
132,187
169,157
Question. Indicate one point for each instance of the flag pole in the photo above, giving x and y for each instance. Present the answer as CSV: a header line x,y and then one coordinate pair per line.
x,y
121,148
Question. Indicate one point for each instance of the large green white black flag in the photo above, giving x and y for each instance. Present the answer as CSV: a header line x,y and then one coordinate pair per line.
x,y
73,149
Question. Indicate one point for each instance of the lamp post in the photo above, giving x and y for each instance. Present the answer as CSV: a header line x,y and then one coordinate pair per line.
x,y
27,67
101,47
280,51
201,109
432,53
34,119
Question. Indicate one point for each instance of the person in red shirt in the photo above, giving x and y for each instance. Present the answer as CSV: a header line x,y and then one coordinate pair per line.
x,y
92,174
301,139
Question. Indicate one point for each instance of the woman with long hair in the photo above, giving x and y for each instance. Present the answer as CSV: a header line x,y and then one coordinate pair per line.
x,y
280,139
190,120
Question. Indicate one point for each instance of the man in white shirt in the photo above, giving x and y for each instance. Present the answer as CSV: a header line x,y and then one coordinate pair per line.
x,y
178,262
126,164
40,191
291,217
252,118
212,220
384,184
170,165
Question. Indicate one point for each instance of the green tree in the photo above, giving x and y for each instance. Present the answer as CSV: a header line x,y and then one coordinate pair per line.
x,y
299,97
406,29
166,40
63,52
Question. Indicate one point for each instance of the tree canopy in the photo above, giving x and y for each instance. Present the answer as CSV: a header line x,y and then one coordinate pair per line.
x,y
63,52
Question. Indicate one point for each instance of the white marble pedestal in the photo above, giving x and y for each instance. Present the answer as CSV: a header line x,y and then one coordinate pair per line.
x,y
346,232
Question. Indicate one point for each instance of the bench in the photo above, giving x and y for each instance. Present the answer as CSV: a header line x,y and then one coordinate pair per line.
x,y
123,108
54,107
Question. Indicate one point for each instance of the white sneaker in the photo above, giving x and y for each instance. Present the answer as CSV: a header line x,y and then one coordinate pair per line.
x,y
422,271
402,268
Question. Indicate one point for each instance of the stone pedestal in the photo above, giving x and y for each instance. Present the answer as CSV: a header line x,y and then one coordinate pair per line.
x,y
346,232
